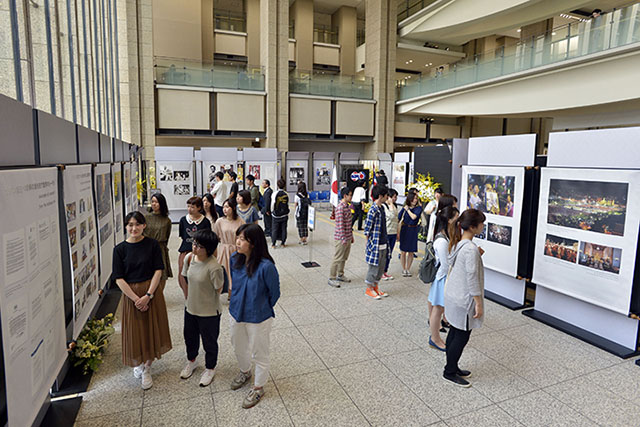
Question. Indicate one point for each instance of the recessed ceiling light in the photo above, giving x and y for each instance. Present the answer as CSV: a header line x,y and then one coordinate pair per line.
x,y
553,34
406,62
518,30
411,60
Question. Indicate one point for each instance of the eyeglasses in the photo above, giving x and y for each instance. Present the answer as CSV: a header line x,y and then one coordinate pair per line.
x,y
197,245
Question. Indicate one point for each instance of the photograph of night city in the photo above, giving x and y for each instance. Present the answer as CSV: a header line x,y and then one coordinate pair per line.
x,y
588,205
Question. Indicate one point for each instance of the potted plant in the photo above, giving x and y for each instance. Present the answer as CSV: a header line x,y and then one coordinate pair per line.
x,y
91,343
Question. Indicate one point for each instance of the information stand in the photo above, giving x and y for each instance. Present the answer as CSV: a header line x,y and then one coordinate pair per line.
x,y
311,224
494,182
592,301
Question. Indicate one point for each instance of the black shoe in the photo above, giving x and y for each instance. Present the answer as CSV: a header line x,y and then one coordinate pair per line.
x,y
463,373
457,380
443,330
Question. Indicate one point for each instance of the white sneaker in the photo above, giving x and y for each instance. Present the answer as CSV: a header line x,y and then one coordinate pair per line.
x,y
137,371
207,377
187,371
147,381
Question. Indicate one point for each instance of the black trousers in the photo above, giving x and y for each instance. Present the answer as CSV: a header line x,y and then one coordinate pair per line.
x,y
357,215
457,339
219,211
279,229
206,327
267,224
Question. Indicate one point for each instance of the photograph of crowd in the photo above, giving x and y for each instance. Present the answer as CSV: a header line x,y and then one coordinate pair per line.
x,y
296,175
103,195
181,190
588,205
561,248
482,235
166,173
181,175
499,234
492,194
323,176
600,257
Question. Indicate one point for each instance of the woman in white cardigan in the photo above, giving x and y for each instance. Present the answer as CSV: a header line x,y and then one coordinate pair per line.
x,y
464,291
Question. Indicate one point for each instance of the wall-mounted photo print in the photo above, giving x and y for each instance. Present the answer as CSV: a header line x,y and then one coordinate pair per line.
x,y
561,248
73,236
166,173
253,170
595,206
181,175
492,194
71,211
600,257
296,175
103,196
499,234
181,189
323,176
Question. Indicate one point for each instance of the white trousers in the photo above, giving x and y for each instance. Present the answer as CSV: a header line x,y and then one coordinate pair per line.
x,y
251,344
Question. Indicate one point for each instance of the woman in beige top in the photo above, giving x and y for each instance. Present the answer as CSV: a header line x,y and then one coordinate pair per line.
x,y
159,229
225,228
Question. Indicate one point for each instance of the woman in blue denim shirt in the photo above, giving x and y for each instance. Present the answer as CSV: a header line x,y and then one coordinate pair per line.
x,y
256,289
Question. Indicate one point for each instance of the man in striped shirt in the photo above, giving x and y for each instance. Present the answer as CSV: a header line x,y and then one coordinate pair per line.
x,y
343,237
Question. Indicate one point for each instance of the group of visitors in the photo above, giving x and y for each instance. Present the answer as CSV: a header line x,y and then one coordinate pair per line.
x,y
225,251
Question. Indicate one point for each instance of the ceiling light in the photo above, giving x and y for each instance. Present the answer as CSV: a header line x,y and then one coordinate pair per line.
x,y
411,60
406,62
519,29
553,34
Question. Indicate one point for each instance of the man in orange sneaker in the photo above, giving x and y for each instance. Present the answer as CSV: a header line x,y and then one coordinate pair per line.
x,y
377,249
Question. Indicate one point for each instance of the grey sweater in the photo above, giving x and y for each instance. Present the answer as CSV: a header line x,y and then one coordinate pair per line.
x,y
464,281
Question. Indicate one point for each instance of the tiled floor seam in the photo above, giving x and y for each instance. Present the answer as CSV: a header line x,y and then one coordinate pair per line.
x,y
281,399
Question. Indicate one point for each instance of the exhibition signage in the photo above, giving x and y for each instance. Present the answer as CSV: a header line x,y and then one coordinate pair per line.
x,y
311,219
498,193
31,296
104,210
311,225
587,234
118,226
175,181
81,238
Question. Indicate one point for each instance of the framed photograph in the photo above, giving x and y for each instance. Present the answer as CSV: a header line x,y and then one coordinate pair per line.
x,y
500,234
587,234
493,194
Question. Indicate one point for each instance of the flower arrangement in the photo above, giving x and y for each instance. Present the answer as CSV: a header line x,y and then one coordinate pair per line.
x,y
92,342
426,187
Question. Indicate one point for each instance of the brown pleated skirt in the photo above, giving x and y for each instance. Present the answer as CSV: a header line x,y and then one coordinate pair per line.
x,y
145,334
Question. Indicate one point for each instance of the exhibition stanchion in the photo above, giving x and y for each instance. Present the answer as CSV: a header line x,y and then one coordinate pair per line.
x,y
311,225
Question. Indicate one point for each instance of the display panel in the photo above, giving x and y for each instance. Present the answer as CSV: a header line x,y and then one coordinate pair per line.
x,y
80,214
175,182
104,200
399,178
31,294
322,175
587,234
210,169
498,193
118,226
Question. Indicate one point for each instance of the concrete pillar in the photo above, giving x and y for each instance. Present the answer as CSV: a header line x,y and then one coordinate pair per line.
x,y
346,20
541,127
274,47
380,34
207,31
253,32
302,13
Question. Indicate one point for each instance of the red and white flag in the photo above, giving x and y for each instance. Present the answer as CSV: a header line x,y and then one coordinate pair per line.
x,y
334,199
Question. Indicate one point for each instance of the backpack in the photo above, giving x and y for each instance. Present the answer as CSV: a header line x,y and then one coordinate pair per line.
x,y
429,264
281,206
305,202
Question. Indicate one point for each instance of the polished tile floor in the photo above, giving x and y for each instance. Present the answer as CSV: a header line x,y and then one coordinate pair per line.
x,y
341,359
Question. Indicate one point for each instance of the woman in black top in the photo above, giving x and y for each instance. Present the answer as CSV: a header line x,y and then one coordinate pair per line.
x,y
190,223
137,270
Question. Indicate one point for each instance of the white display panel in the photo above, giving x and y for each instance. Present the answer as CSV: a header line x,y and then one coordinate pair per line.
x,y
587,234
31,296
175,182
399,177
117,191
263,170
209,171
129,187
104,209
322,174
296,172
498,193
82,238
505,150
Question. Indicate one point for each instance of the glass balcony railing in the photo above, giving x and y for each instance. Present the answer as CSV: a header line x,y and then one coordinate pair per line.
x,y
230,21
324,34
185,73
406,8
313,83
609,31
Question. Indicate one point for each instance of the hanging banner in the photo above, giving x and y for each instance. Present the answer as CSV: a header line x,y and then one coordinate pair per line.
x,y
116,180
175,181
31,296
81,238
102,181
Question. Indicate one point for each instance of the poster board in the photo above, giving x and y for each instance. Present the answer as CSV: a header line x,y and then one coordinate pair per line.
x,y
175,182
134,186
498,193
82,242
587,234
118,203
399,177
296,172
209,171
31,294
322,170
263,170
104,211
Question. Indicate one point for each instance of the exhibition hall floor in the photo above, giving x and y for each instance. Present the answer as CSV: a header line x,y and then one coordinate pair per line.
x,y
339,358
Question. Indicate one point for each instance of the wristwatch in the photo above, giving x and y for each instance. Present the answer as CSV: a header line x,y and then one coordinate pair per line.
x,y
149,295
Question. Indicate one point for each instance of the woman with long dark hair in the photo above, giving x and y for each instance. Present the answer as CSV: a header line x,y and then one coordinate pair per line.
x,y
189,224
137,270
302,203
256,291
209,207
159,229
226,228
409,217
464,292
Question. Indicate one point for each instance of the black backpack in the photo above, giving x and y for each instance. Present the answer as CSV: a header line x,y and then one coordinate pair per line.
x,y
429,264
305,202
281,206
